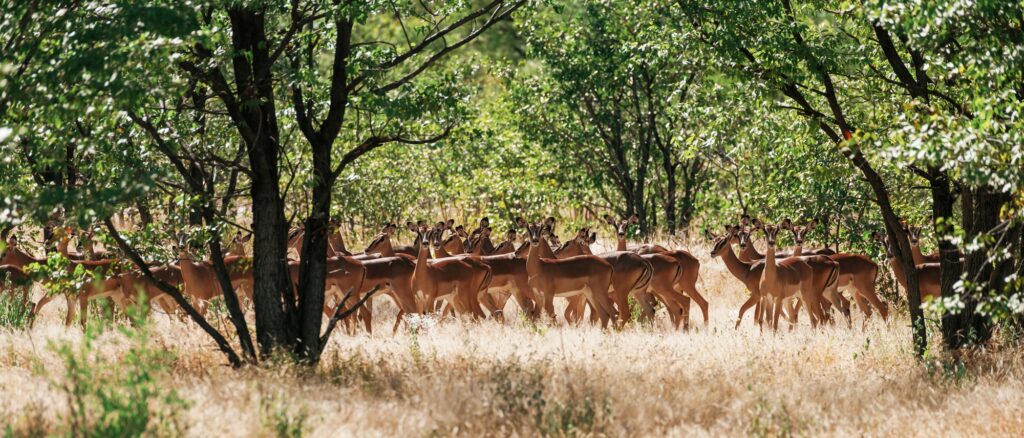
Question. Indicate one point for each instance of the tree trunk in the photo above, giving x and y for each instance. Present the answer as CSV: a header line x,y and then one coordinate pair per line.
x,y
981,209
670,193
273,295
313,268
950,265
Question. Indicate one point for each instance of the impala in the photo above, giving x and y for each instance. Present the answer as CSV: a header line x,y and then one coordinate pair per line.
x,y
548,277
101,286
631,275
482,273
783,280
622,226
134,283
750,254
746,272
929,274
825,273
689,266
856,272
451,279
200,279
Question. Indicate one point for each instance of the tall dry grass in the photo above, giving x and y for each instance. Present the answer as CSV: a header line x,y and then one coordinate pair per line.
x,y
456,378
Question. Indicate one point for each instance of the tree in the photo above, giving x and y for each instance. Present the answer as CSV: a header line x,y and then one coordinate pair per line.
x,y
612,97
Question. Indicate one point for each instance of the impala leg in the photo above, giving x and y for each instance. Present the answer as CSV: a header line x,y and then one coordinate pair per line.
x,y
869,292
776,307
684,312
753,301
398,320
691,292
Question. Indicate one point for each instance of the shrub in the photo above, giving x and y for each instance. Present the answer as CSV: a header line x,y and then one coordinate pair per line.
x,y
120,395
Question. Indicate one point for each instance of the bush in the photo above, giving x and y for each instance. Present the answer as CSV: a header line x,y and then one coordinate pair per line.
x,y
118,396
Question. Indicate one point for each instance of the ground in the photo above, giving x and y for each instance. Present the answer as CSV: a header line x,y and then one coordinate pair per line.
x,y
455,378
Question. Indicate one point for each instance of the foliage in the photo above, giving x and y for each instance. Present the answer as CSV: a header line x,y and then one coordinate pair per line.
x,y
120,396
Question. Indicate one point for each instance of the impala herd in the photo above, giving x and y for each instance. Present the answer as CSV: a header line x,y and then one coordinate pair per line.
x,y
450,269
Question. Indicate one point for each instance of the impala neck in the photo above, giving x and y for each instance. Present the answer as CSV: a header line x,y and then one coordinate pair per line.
x,y
798,249
915,251
533,259
750,253
736,267
770,268
440,252
422,260
336,243
523,249
621,246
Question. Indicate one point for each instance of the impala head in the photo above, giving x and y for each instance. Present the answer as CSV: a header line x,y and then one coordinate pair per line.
x,y
622,226
741,236
534,233
914,234
721,242
800,231
461,232
771,232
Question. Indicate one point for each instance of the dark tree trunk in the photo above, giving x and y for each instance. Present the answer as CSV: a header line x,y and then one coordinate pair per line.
x,y
273,295
981,209
950,265
313,268
670,193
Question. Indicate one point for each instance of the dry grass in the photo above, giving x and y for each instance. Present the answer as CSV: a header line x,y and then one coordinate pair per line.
x,y
458,378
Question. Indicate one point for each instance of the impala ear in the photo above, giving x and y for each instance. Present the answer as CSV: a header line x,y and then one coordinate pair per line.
x,y
634,219
745,220
520,222
708,234
484,222
550,221
608,218
810,225
758,224
592,239
786,224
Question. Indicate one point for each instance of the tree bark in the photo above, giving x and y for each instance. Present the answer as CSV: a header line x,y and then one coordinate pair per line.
x,y
273,295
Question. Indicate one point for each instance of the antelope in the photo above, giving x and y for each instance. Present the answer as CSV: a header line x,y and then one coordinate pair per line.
x,y
631,275
343,273
335,243
18,280
929,274
382,242
785,279
394,276
134,282
856,272
689,267
914,234
826,272
747,273
483,270
749,254
587,275
15,257
200,280
622,226
448,278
